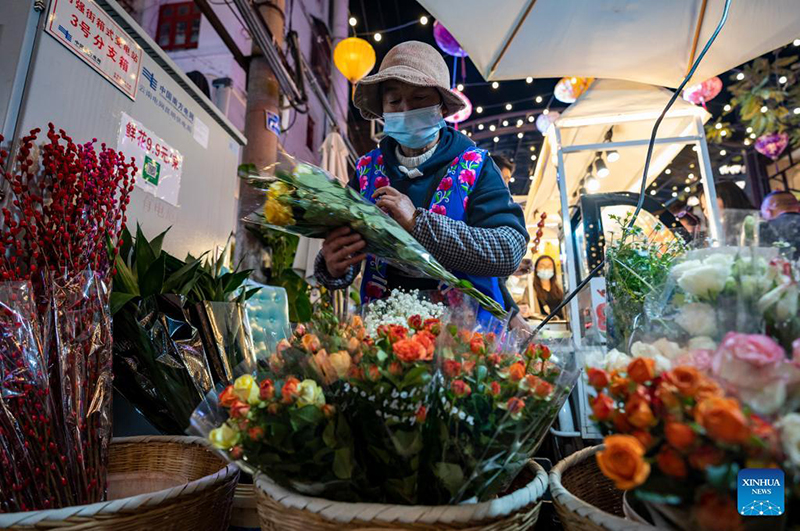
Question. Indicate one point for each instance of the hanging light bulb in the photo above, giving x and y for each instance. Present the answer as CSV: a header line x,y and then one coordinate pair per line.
x,y
533,157
495,84
505,123
653,192
520,122
353,21
520,135
529,80
423,20
460,87
693,201
687,189
723,133
764,108
492,127
782,80
796,110
600,167
749,130
718,126
478,109
508,106
533,148
531,119
612,156
377,37
746,141
674,194
722,152
727,108
546,111
740,76
480,127
511,180
538,99
668,171
496,139
592,184
796,42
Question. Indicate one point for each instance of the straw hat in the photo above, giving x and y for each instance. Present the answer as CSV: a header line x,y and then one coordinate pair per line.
x,y
412,62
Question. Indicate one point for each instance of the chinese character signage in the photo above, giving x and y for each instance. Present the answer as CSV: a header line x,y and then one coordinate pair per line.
x,y
86,30
159,165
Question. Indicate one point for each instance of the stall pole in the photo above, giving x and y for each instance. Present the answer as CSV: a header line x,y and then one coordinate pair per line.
x,y
572,258
707,178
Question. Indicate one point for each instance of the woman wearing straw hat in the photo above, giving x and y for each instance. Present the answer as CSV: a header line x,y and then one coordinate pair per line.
x,y
431,179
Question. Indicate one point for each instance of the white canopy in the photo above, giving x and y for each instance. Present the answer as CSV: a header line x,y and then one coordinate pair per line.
x,y
638,40
628,110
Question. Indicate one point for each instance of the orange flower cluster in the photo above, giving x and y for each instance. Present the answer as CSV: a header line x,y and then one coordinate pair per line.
x,y
679,420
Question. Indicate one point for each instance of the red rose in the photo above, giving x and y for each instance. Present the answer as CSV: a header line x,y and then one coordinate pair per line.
x,y
451,368
494,389
468,367
598,378
602,407
375,291
477,345
515,405
543,389
397,332
433,326
289,389
395,369
408,350
422,414
460,388
415,322
266,389
373,373
255,433
227,398
239,410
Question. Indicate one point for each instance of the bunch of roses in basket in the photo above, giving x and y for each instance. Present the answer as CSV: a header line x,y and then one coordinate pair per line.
x,y
676,438
491,411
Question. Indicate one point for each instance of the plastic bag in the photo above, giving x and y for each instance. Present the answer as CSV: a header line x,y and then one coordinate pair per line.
x,y
227,338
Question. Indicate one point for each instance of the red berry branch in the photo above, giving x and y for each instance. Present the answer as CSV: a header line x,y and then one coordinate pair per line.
x,y
64,202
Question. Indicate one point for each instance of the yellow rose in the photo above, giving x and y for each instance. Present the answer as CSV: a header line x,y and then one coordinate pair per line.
x,y
246,389
224,437
279,188
341,362
277,213
310,394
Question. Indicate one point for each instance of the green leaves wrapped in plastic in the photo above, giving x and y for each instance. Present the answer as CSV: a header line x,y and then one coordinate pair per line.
x,y
305,200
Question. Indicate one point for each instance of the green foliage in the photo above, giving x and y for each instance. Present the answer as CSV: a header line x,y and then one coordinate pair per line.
x,y
760,88
636,265
216,284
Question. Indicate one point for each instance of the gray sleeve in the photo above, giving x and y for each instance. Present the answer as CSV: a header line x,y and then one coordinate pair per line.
x,y
472,250
324,277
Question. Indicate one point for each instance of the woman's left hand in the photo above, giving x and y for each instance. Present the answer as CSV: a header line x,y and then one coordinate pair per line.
x,y
397,205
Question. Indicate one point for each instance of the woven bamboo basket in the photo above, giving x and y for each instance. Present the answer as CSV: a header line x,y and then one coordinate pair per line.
x,y
201,499
281,509
585,499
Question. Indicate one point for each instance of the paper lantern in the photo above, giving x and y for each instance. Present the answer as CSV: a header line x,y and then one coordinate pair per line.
x,y
446,42
703,92
772,145
568,89
354,58
464,113
544,121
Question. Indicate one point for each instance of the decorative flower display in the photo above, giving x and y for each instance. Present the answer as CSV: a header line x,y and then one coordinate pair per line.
x,y
544,121
446,42
772,145
569,89
702,93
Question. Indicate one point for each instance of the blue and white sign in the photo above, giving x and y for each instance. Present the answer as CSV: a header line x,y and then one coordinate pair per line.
x,y
273,122
761,492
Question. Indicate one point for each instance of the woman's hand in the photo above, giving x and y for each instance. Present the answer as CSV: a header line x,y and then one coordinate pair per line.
x,y
339,250
397,205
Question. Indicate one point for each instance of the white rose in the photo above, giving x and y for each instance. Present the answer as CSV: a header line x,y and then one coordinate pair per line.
x,y
617,361
790,436
704,281
721,260
698,319
765,401
702,343
683,267
644,350
668,349
595,358
785,300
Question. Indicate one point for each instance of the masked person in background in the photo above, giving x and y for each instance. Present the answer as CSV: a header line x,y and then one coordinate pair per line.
x,y
431,179
548,293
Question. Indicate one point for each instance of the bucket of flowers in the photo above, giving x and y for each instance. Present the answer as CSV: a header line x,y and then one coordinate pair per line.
x,y
346,430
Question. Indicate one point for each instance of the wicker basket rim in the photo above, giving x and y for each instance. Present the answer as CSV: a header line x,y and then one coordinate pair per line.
x,y
429,514
576,505
133,502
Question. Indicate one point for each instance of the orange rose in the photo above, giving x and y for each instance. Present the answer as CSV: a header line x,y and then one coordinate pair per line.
x,y
543,389
356,322
289,389
421,414
451,368
602,407
515,406
671,463
713,512
642,370
255,433
685,379
328,410
465,336
395,369
623,462
707,389
460,388
428,341
598,378
239,410
352,345
477,345
706,456
494,389
266,389
619,385
668,395
311,342
397,333
644,437
433,326
722,419
621,424
638,412
415,322
373,373
227,398
468,367
516,371
679,435
408,350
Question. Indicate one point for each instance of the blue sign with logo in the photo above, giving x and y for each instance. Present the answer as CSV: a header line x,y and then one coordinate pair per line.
x,y
760,492
273,122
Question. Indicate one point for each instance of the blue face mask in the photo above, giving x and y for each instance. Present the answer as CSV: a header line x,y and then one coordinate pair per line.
x,y
414,129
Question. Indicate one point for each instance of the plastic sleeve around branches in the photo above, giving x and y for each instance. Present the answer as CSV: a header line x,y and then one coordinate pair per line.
x,y
227,338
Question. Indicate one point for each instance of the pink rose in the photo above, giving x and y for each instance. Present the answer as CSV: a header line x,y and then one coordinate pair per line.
x,y
446,184
467,177
472,156
379,162
362,182
700,359
381,181
466,199
439,209
364,161
754,368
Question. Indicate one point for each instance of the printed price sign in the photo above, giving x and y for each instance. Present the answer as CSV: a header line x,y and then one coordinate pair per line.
x,y
159,166
88,32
